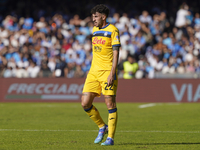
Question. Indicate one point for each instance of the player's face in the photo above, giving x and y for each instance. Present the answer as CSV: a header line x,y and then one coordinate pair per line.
x,y
97,19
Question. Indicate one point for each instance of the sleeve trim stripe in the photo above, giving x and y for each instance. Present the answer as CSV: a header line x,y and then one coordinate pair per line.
x,y
116,45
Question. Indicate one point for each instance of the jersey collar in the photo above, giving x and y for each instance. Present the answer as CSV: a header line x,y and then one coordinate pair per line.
x,y
105,26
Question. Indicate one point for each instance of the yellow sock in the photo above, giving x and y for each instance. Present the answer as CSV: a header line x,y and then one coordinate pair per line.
x,y
93,113
112,122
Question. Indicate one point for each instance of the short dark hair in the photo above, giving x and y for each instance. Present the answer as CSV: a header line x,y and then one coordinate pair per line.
x,y
103,9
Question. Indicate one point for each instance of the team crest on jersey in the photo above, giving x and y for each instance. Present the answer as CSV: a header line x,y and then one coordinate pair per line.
x,y
117,37
106,33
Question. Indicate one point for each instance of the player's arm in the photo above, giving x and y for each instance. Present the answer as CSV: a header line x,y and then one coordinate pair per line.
x,y
111,77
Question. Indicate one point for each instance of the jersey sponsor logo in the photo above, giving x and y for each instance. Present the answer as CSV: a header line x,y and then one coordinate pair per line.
x,y
97,48
98,41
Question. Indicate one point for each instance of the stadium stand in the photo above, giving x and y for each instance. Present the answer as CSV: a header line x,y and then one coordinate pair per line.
x,y
40,40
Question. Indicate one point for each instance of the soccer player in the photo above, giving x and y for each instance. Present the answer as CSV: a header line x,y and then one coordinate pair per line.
x,y
102,77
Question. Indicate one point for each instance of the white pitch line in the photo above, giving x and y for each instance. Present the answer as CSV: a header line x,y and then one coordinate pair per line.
x,y
155,104
32,130
147,105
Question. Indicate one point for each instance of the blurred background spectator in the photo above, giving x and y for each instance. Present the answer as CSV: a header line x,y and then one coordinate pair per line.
x,y
129,67
41,39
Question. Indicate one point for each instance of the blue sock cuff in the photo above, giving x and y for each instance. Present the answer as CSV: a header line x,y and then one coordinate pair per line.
x,y
112,110
88,108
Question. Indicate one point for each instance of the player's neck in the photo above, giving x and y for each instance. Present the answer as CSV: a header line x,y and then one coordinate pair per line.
x,y
103,25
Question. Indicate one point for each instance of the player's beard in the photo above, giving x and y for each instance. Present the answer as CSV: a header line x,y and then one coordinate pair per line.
x,y
100,24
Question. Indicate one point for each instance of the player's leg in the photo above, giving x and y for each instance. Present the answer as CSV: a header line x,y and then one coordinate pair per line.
x,y
93,113
110,100
112,118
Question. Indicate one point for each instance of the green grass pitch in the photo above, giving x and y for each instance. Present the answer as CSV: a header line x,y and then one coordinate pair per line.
x,y
65,126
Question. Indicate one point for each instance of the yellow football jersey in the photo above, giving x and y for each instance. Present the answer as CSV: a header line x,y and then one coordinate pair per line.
x,y
102,42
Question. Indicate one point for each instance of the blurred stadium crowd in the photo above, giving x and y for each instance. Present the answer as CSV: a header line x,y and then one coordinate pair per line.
x,y
47,43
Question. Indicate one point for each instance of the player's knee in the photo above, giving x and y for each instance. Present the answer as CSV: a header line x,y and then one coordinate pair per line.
x,y
84,103
110,102
111,105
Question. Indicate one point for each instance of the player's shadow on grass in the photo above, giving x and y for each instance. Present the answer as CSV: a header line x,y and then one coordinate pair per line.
x,y
176,143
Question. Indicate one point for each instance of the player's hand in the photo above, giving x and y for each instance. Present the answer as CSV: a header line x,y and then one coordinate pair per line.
x,y
110,80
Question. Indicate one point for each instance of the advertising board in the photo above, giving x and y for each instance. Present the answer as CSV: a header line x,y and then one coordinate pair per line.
x,y
70,90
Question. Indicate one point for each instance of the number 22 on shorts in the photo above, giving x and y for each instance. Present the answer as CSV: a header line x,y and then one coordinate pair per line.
x,y
108,87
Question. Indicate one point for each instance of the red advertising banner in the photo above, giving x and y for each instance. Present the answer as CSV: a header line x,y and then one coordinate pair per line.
x,y
40,89
70,90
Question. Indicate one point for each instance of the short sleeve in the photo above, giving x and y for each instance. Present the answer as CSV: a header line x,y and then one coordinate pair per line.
x,y
115,38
